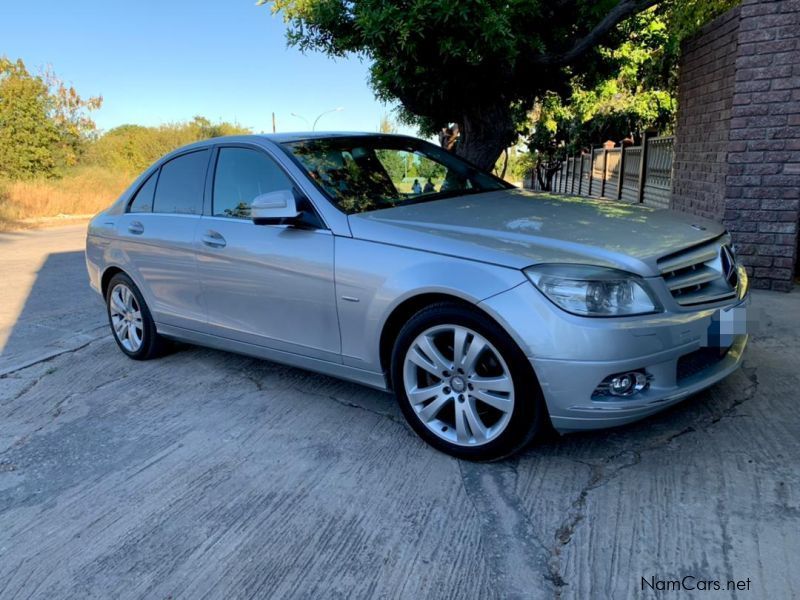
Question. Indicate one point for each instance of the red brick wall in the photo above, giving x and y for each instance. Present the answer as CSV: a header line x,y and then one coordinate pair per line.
x,y
705,97
745,136
762,195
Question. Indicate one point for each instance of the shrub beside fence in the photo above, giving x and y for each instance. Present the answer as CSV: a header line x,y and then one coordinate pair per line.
x,y
618,173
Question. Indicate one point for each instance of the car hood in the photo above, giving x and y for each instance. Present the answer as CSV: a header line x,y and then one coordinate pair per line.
x,y
517,229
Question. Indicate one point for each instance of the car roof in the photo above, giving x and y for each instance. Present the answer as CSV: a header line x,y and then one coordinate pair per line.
x,y
314,135
296,136
277,138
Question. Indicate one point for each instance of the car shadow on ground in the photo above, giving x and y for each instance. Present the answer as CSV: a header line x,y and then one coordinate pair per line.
x,y
59,312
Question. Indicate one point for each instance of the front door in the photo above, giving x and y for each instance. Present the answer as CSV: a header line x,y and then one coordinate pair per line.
x,y
270,285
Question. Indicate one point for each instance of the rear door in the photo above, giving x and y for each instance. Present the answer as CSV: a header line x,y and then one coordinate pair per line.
x,y
157,236
270,285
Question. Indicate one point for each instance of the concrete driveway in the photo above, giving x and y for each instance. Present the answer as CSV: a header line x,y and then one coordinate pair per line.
x,y
206,474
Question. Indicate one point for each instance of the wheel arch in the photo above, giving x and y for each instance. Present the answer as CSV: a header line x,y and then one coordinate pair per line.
x,y
106,278
408,308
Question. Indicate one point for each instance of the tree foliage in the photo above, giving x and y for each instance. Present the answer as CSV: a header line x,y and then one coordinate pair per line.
x,y
132,148
642,92
44,124
636,97
590,69
478,64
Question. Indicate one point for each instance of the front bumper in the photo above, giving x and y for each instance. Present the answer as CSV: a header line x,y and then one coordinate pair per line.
x,y
572,355
569,386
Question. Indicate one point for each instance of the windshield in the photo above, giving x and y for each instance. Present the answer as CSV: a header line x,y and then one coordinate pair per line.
x,y
366,173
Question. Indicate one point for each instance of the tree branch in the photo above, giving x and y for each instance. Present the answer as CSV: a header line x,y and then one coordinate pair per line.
x,y
623,10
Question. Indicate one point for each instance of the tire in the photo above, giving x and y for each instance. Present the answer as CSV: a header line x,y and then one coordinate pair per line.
x,y
131,323
449,408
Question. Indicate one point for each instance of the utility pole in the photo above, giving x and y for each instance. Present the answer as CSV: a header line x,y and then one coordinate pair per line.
x,y
273,122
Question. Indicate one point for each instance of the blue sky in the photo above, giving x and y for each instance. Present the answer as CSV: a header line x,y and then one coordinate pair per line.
x,y
156,62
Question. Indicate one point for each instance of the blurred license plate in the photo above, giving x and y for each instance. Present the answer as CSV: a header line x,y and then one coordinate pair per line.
x,y
726,324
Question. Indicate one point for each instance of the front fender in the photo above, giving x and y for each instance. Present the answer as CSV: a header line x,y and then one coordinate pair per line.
x,y
373,279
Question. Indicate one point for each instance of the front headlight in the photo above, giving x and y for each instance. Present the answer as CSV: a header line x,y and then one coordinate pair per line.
x,y
593,291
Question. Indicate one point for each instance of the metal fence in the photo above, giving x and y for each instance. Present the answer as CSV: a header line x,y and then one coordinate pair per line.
x,y
633,174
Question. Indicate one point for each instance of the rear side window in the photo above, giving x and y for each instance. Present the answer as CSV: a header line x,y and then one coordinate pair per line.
x,y
181,183
243,174
143,200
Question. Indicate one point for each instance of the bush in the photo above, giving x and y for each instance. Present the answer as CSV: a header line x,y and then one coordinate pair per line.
x,y
133,148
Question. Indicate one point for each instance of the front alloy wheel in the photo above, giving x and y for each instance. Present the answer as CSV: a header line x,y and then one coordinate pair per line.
x,y
463,384
458,385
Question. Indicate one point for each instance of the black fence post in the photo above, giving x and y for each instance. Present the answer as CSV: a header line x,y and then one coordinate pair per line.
x,y
580,177
643,167
572,178
605,173
560,176
621,171
591,169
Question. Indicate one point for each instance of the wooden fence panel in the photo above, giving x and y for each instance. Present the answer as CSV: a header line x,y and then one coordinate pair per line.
x,y
658,182
630,179
597,174
612,172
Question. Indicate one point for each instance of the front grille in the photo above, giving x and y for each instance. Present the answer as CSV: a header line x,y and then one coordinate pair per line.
x,y
701,274
698,361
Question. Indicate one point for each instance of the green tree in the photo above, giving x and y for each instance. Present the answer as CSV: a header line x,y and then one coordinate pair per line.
x,y
428,169
636,97
480,64
395,162
640,95
44,125
132,148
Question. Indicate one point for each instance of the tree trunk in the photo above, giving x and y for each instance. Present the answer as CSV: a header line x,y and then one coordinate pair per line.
x,y
545,174
540,179
550,174
505,163
484,135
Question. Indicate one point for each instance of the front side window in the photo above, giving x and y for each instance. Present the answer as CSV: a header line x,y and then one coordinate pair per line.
x,y
242,175
181,183
143,200
366,173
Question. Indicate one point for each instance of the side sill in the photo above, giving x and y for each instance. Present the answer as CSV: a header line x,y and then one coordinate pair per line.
x,y
368,378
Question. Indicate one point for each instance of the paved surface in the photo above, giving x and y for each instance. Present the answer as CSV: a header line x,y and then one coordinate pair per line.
x,y
46,305
206,474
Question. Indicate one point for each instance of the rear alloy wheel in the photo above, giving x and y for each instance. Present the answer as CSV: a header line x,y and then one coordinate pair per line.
x,y
463,384
126,318
131,323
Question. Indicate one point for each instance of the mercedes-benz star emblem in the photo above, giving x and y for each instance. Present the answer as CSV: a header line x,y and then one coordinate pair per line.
x,y
728,262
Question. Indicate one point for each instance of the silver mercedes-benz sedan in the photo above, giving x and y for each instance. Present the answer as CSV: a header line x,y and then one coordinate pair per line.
x,y
490,312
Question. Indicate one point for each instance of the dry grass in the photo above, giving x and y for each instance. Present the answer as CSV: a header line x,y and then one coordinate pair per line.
x,y
84,191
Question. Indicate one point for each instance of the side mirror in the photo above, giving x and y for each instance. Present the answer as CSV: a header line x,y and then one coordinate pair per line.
x,y
274,208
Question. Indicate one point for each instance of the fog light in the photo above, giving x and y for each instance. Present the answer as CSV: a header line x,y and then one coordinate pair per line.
x,y
623,385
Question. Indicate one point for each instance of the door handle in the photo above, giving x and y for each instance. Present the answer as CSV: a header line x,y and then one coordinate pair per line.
x,y
213,239
136,228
